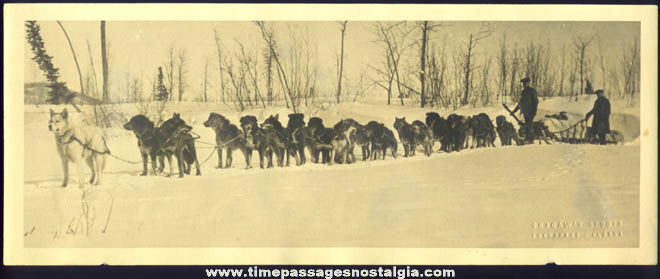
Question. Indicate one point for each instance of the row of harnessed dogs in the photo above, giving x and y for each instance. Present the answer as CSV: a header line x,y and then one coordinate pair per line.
x,y
326,145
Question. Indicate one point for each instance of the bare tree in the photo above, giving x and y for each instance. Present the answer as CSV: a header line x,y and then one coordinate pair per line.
x,y
268,56
581,45
394,38
206,74
473,42
342,28
136,89
572,79
104,62
75,58
426,29
603,71
514,91
219,50
562,70
169,70
630,64
236,82
503,69
537,67
436,76
457,69
485,93
422,71
387,74
95,91
249,67
181,73
268,36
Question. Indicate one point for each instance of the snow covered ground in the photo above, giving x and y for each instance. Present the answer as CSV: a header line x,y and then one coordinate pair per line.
x,y
489,197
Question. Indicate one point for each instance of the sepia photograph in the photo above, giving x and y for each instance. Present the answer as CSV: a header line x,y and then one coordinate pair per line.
x,y
368,133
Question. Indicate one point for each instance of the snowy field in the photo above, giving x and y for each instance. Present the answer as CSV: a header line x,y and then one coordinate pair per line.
x,y
487,197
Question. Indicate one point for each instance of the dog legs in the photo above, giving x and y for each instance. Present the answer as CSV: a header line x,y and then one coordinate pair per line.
x,y
269,156
406,149
299,157
301,151
365,152
247,153
90,163
169,161
261,157
280,157
81,174
180,163
65,168
230,158
220,158
332,153
198,172
99,164
145,159
287,154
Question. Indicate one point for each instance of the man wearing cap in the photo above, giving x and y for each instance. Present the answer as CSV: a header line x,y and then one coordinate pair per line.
x,y
527,105
601,112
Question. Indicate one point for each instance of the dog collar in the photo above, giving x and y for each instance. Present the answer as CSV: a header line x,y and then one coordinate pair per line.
x,y
68,135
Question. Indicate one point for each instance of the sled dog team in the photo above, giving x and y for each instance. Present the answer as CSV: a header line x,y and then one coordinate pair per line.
x,y
270,139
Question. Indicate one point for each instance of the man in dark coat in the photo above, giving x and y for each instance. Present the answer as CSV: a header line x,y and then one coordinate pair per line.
x,y
528,104
601,112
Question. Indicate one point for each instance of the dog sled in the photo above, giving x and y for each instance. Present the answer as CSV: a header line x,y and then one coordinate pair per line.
x,y
561,128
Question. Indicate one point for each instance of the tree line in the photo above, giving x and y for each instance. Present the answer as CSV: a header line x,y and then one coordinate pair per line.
x,y
414,64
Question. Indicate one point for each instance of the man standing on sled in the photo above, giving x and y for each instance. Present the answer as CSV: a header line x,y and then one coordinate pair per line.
x,y
528,104
601,112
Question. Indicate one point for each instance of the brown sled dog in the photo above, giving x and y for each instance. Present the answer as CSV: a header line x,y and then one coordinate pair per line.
x,y
274,136
144,130
227,137
412,135
78,144
333,145
356,134
173,138
381,139
506,131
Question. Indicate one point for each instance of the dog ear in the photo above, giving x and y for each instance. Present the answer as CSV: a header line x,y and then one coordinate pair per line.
x,y
52,113
277,116
65,114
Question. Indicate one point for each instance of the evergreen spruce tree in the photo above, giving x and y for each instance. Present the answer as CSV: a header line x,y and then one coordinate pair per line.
x,y
59,93
161,90
588,89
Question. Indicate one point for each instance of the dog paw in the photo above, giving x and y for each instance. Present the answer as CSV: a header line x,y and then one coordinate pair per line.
x,y
144,174
64,184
